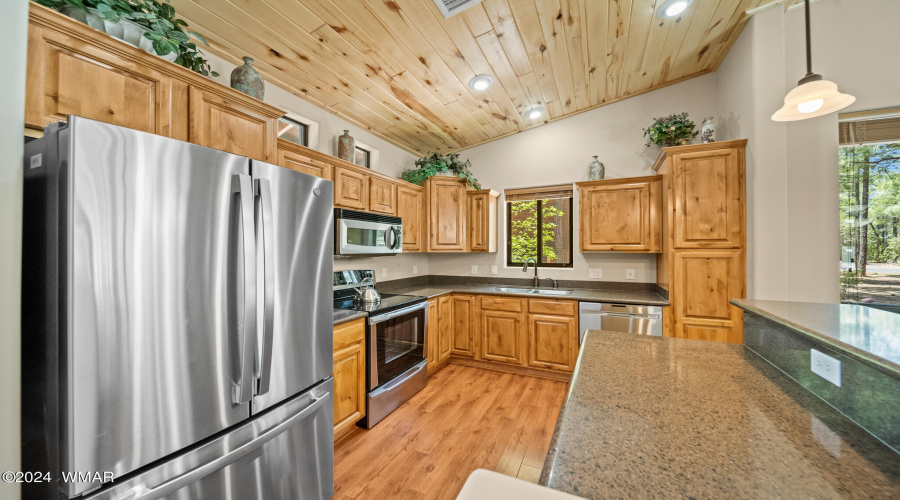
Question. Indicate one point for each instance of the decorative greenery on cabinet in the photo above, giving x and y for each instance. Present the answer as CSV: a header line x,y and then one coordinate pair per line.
x,y
432,163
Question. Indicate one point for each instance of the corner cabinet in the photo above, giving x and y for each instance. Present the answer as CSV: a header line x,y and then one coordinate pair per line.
x,y
482,220
703,260
623,215
349,376
447,207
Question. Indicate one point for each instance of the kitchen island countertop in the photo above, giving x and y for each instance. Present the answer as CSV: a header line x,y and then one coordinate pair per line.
x,y
657,417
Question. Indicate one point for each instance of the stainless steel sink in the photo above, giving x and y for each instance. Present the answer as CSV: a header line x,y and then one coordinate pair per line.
x,y
536,291
543,291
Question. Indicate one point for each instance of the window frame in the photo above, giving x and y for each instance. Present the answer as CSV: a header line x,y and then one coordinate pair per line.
x,y
368,153
304,127
540,246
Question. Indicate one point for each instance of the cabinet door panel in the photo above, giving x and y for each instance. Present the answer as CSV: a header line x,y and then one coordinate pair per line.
x,y
705,281
349,376
502,337
445,327
432,334
301,163
478,234
708,189
621,215
219,123
351,189
411,208
69,77
447,216
463,312
553,342
382,196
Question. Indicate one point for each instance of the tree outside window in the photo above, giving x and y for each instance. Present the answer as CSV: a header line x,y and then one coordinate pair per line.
x,y
548,221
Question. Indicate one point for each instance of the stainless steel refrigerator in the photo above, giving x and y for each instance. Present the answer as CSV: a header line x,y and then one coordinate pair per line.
x,y
177,329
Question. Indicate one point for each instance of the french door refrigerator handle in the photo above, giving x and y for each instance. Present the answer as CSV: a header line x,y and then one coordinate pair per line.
x,y
229,458
268,231
243,390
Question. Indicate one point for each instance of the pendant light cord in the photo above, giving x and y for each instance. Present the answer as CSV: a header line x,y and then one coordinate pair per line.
x,y
808,43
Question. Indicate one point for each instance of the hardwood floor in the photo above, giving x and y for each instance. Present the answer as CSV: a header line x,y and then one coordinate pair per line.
x,y
466,418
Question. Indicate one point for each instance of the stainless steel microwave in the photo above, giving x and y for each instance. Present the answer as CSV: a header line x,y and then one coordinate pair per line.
x,y
365,233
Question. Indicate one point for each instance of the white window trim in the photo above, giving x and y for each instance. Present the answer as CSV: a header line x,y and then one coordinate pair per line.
x,y
312,129
373,154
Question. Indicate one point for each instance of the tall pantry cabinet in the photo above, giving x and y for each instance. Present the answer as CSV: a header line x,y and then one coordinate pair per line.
x,y
703,259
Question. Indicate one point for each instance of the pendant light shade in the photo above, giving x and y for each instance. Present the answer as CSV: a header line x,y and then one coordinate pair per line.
x,y
812,99
812,96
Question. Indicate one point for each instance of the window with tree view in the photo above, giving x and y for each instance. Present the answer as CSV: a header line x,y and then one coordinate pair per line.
x,y
540,229
869,217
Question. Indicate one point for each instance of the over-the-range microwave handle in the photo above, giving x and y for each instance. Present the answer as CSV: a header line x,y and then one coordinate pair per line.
x,y
395,232
381,318
193,475
263,369
242,391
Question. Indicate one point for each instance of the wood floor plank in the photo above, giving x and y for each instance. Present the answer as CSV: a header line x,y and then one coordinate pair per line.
x,y
530,474
464,419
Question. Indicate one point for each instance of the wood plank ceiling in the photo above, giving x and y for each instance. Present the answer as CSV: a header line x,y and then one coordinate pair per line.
x,y
400,70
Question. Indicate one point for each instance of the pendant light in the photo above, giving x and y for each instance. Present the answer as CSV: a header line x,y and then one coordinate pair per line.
x,y
812,96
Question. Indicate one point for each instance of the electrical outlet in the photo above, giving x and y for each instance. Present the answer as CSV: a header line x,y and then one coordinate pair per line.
x,y
415,269
825,366
629,274
474,269
596,274
493,269
384,272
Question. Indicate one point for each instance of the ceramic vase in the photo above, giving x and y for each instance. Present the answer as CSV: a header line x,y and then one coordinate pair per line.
x,y
708,130
596,170
346,147
246,79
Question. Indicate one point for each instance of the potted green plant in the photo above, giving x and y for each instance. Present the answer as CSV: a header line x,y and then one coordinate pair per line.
x,y
672,130
435,164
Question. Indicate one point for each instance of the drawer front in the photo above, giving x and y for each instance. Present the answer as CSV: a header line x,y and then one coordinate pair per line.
x,y
557,307
493,303
349,334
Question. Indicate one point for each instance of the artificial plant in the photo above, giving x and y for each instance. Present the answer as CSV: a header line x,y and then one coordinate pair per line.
x,y
432,163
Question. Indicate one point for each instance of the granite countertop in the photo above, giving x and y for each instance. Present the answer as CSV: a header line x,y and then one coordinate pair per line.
x,y
342,316
580,294
659,417
865,333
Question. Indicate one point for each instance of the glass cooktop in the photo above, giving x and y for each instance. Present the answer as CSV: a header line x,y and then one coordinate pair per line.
x,y
389,302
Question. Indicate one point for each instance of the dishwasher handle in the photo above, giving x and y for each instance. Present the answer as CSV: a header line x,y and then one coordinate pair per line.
x,y
621,315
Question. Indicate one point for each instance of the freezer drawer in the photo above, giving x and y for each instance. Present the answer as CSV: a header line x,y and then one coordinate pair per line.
x,y
286,453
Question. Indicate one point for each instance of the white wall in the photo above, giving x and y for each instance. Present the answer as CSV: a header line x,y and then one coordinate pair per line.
x,y
792,168
560,152
392,161
13,39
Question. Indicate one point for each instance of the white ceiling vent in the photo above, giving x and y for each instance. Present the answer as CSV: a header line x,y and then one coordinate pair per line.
x,y
453,7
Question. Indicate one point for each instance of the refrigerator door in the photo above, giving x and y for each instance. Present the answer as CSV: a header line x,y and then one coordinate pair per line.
x,y
287,453
295,245
160,318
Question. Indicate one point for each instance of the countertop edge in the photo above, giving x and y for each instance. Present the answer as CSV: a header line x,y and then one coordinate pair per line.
x,y
854,352
450,289
351,315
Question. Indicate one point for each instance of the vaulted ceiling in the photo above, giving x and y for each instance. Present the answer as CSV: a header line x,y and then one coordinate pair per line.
x,y
400,70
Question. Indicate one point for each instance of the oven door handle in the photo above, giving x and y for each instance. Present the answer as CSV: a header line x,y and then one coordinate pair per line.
x,y
393,314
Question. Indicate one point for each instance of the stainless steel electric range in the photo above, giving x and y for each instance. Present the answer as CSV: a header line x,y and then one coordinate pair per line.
x,y
395,342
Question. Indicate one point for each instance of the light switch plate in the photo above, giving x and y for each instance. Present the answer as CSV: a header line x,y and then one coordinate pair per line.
x,y
596,273
474,269
629,274
825,366
384,272
493,269
415,269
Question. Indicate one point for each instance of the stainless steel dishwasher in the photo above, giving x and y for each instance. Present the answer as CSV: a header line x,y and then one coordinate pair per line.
x,y
642,320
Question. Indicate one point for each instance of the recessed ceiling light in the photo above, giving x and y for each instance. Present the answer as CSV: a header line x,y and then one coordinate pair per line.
x,y
534,113
672,8
481,82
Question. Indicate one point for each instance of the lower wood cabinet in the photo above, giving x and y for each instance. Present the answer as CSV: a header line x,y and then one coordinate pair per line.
x,y
552,342
349,376
502,336
706,280
432,338
463,343
445,327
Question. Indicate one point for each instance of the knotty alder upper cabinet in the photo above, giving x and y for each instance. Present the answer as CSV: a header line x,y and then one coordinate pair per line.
x,y
482,220
295,157
351,189
382,196
447,208
703,261
76,70
623,215
411,208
